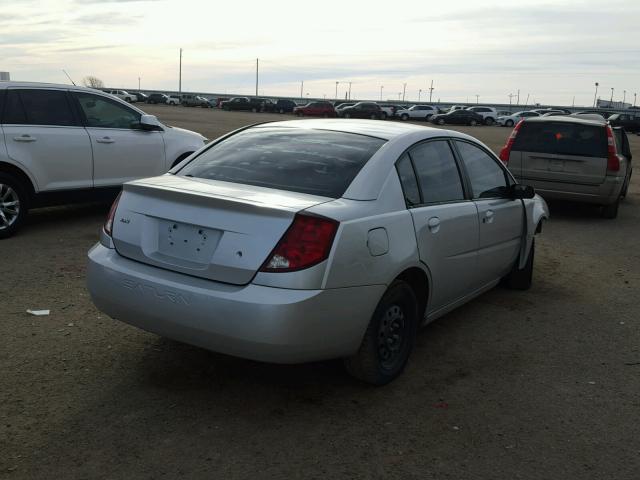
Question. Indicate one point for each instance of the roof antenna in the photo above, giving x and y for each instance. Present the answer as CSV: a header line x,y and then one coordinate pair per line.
x,y
65,72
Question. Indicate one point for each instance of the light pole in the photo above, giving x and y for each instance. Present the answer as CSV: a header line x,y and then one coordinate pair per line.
x,y
404,89
611,101
419,94
477,99
256,77
138,83
634,99
595,95
349,90
336,97
381,87
431,92
180,75
624,97
301,88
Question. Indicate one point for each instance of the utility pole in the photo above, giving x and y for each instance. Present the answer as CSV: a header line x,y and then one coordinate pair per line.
x,y
573,102
301,88
349,90
404,89
477,99
634,99
180,75
138,83
518,100
611,101
595,95
336,97
431,92
256,77
381,87
419,94
624,97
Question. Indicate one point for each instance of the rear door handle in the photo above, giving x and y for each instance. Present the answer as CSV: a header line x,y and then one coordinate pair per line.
x,y
434,224
488,217
105,140
25,138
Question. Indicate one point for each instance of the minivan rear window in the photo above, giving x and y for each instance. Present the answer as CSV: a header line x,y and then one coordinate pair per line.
x,y
562,138
317,162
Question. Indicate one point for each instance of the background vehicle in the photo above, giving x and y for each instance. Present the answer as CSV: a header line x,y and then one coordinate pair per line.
x,y
456,107
571,158
122,95
140,97
285,106
630,122
511,120
601,113
555,113
458,117
362,110
62,144
241,104
489,114
337,232
189,100
173,100
339,106
417,112
157,98
316,109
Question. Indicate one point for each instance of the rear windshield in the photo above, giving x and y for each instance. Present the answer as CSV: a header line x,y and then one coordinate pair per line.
x,y
316,162
562,138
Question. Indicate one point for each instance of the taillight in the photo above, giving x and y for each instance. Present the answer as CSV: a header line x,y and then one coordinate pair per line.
x,y
505,152
306,242
613,162
108,225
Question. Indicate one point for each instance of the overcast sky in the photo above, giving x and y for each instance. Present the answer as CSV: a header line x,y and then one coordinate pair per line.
x,y
551,51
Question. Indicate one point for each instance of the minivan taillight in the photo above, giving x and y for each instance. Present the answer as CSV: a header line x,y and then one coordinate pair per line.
x,y
613,162
306,242
505,152
108,225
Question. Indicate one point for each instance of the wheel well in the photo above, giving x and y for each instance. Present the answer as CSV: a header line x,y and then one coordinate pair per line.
x,y
24,178
180,158
419,283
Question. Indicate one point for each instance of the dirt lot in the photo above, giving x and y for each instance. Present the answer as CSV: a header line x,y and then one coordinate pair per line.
x,y
543,384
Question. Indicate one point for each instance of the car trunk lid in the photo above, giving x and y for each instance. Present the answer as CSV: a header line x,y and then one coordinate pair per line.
x,y
210,229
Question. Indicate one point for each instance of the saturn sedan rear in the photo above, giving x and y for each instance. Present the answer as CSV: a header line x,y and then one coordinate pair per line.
x,y
307,240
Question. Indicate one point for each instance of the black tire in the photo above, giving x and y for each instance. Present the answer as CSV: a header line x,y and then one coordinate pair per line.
x,y
347,115
611,211
395,320
254,110
473,123
299,114
374,116
440,121
625,188
12,190
281,111
384,115
428,117
404,117
521,279
509,123
489,121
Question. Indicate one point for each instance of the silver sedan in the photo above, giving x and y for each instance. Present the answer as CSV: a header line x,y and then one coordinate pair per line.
x,y
306,240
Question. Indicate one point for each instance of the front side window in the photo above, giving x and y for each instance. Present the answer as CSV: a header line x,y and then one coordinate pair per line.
x,y
317,162
102,112
39,107
437,172
487,178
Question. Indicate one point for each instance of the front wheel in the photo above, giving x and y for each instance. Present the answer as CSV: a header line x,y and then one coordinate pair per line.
x,y
489,121
13,204
389,338
509,123
384,115
298,114
281,111
440,121
520,279
473,123
347,115
404,117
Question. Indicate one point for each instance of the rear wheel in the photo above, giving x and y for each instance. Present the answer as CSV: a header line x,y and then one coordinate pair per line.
x,y
520,279
489,121
473,123
404,117
428,118
347,115
611,211
281,110
13,204
389,338
254,109
374,116
509,123
384,115
440,121
298,114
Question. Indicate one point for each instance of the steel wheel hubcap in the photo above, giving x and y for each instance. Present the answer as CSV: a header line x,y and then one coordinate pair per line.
x,y
9,206
391,335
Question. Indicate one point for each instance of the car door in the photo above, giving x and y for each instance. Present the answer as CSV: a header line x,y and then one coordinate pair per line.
x,y
500,218
445,221
121,150
42,133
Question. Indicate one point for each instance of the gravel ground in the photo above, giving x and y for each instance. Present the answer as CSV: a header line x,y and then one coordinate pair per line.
x,y
541,384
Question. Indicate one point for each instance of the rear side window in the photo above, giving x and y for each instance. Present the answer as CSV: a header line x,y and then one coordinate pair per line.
x,y
562,138
408,181
316,162
39,107
437,172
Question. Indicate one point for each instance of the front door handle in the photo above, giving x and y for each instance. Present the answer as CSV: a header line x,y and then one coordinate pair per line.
x,y
434,224
105,140
25,138
488,217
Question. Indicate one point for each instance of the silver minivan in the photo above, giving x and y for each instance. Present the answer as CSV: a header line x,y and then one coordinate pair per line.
x,y
570,158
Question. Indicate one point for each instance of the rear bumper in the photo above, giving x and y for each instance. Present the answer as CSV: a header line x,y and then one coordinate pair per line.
x,y
252,321
605,193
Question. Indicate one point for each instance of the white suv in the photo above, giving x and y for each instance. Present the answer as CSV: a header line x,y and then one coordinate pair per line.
x,y
60,143
123,95
489,114
417,112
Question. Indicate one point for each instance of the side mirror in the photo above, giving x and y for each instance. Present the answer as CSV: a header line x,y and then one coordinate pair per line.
x,y
150,123
518,191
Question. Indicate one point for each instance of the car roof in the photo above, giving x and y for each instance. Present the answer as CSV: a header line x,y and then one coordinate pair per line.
x,y
48,85
372,128
568,119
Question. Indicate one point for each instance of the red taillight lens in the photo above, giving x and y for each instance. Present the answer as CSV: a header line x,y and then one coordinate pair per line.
x,y
505,152
307,242
108,225
613,162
